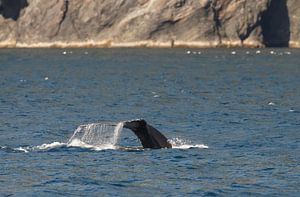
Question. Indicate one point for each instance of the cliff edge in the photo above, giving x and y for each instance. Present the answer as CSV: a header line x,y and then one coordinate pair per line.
x,y
149,23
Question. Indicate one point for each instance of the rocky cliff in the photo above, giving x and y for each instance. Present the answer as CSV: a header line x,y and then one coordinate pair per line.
x,y
149,23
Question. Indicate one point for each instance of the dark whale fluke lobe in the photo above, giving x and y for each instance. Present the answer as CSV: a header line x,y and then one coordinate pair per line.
x,y
148,135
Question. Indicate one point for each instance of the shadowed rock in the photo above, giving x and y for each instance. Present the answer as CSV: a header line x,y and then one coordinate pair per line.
x,y
276,25
12,8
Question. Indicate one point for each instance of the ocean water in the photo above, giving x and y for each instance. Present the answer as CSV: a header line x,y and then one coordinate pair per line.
x,y
232,115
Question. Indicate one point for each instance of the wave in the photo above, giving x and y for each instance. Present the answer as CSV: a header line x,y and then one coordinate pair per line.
x,y
178,143
57,145
42,147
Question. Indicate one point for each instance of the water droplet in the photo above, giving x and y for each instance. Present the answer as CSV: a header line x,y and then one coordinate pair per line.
x,y
287,53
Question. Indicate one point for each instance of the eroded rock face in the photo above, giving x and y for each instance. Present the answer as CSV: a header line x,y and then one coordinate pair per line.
x,y
160,23
294,21
8,32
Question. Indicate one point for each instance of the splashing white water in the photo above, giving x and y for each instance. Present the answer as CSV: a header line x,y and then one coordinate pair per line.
x,y
185,144
22,149
80,144
100,136
96,135
50,146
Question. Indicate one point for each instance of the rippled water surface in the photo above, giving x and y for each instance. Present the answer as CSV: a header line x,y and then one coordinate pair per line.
x,y
233,113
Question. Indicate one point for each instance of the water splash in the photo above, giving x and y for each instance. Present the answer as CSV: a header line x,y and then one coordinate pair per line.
x,y
185,144
50,146
96,135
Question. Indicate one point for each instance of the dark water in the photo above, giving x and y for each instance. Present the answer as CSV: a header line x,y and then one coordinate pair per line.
x,y
244,107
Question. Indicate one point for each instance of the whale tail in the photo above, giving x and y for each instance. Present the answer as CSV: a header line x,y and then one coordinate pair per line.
x,y
148,135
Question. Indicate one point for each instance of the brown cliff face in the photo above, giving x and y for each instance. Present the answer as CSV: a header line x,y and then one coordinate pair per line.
x,y
149,23
294,21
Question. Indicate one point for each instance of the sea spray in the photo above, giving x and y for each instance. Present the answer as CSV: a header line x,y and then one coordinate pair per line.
x,y
179,143
117,132
96,135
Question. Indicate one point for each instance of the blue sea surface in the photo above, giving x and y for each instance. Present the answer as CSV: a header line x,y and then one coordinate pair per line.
x,y
243,104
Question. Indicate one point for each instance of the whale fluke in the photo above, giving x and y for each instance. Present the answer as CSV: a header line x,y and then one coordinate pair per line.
x,y
148,135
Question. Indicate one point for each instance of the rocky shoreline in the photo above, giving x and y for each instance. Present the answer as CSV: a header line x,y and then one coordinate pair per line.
x,y
139,44
149,23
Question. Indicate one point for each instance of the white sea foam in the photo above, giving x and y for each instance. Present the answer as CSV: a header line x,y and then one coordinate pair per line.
x,y
155,95
178,143
188,146
271,103
22,149
74,143
50,146
287,53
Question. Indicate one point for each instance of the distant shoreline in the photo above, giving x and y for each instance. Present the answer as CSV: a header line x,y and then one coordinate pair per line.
x,y
139,44
149,24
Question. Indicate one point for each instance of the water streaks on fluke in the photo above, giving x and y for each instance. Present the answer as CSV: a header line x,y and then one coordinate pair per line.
x,y
103,134
100,134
